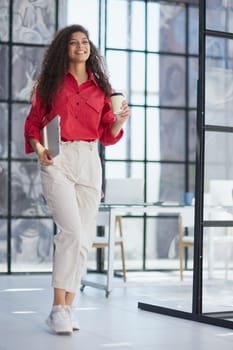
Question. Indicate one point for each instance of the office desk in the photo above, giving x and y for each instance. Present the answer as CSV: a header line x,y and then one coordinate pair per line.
x,y
121,210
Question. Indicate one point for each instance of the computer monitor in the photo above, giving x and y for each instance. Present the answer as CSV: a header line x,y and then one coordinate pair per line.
x,y
221,192
124,191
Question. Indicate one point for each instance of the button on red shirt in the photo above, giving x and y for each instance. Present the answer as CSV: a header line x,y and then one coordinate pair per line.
x,y
85,114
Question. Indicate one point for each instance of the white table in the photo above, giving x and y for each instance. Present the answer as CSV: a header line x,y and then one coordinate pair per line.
x,y
121,210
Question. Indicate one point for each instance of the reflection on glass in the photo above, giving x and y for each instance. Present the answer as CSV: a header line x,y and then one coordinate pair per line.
x,y
4,72
219,14
27,198
4,18
33,21
172,28
3,246
3,188
172,80
217,270
31,245
3,130
26,66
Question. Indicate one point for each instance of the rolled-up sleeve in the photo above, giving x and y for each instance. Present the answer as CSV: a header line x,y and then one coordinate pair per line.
x,y
105,134
32,124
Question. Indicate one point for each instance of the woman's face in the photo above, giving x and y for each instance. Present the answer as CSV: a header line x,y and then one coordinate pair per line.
x,y
78,48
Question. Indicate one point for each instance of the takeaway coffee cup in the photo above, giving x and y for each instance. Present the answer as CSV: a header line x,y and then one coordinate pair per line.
x,y
116,102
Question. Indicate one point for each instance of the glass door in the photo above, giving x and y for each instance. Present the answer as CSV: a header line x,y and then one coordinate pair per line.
x,y
214,213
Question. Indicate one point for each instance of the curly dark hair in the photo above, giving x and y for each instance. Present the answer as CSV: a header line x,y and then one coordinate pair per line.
x,y
55,65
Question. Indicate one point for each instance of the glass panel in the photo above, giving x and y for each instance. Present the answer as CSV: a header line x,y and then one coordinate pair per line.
x,y
153,20
172,28
4,19
116,61
219,83
130,147
166,135
133,243
26,66
162,249
133,240
137,21
172,134
153,78
27,196
192,135
219,15
172,80
3,245
193,30
19,114
192,170
136,135
32,245
3,130
79,12
117,10
137,90
3,188
165,182
124,169
217,270
4,72
153,134
34,21
218,170
193,76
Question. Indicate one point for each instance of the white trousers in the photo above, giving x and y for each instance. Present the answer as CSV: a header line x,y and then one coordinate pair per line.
x,y
72,188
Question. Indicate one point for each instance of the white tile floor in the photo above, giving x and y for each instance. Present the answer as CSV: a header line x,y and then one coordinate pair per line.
x,y
113,323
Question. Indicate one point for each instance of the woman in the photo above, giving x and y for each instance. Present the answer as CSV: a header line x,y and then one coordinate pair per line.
x,y
74,85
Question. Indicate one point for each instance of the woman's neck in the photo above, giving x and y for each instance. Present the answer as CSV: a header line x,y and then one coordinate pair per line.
x,y
79,72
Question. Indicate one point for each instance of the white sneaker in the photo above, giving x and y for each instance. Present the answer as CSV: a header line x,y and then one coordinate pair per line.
x,y
59,320
75,323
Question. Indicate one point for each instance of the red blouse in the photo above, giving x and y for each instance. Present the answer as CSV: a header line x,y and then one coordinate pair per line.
x,y
85,114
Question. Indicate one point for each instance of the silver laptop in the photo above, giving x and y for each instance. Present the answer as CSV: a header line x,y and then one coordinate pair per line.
x,y
51,136
124,191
